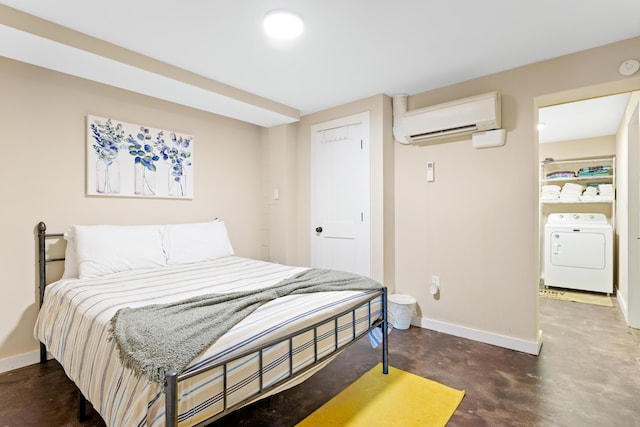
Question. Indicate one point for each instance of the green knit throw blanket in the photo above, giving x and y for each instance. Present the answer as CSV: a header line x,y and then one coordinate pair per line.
x,y
155,339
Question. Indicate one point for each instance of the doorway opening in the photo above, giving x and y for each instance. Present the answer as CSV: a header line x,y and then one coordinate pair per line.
x,y
584,158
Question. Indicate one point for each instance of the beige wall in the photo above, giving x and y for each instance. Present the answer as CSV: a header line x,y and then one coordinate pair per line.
x,y
476,225
279,219
43,129
589,147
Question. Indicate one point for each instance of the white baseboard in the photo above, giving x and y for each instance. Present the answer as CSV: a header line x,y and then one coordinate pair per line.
x,y
524,346
622,303
21,360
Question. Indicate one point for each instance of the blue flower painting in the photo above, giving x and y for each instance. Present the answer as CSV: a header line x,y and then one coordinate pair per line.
x,y
125,159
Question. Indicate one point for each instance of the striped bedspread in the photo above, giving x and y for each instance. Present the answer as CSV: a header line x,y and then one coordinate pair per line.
x,y
74,325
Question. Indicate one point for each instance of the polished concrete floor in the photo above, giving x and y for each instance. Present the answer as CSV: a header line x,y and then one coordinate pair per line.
x,y
588,374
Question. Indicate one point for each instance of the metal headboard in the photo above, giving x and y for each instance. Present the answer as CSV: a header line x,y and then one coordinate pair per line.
x,y
42,269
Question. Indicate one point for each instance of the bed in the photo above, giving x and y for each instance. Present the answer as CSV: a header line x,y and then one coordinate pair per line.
x,y
114,272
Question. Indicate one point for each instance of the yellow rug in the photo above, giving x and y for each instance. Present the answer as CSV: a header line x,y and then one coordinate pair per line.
x,y
583,297
396,399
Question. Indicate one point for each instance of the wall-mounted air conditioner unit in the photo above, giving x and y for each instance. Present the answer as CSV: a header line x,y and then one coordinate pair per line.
x,y
474,114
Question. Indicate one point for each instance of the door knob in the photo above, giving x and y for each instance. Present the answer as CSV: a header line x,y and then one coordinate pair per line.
x,y
318,229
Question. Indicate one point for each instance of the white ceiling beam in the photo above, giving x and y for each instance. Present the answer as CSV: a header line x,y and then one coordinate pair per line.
x,y
29,39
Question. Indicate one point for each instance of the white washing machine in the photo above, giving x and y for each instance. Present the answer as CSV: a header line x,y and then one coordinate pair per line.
x,y
578,252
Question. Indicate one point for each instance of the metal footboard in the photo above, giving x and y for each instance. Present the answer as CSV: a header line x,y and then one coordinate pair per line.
x,y
173,378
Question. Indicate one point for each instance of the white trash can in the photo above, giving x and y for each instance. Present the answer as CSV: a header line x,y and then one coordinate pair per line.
x,y
401,310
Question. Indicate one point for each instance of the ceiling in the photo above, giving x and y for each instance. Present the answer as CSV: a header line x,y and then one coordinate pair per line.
x,y
588,118
349,50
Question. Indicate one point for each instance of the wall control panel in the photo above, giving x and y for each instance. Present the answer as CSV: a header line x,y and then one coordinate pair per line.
x,y
430,172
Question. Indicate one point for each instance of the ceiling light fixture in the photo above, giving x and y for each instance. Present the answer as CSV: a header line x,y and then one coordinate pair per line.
x,y
283,25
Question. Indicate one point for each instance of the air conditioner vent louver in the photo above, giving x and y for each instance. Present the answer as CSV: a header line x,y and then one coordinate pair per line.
x,y
444,132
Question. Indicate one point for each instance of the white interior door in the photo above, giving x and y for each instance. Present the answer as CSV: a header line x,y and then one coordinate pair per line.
x,y
340,195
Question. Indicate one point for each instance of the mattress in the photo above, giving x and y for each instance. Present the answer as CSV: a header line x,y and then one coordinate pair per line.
x,y
74,325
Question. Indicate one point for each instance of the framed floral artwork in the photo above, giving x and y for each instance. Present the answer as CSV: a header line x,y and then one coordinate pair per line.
x,y
129,160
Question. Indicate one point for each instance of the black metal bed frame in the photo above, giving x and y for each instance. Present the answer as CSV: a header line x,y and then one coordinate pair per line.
x,y
173,378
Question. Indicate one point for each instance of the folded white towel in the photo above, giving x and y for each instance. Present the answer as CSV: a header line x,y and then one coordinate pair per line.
x,y
605,188
590,190
572,186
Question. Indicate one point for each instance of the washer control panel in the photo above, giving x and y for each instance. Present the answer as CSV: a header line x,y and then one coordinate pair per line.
x,y
577,218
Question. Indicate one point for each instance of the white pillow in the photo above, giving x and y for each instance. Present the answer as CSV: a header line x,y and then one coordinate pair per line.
x,y
70,257
187,243
106,249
